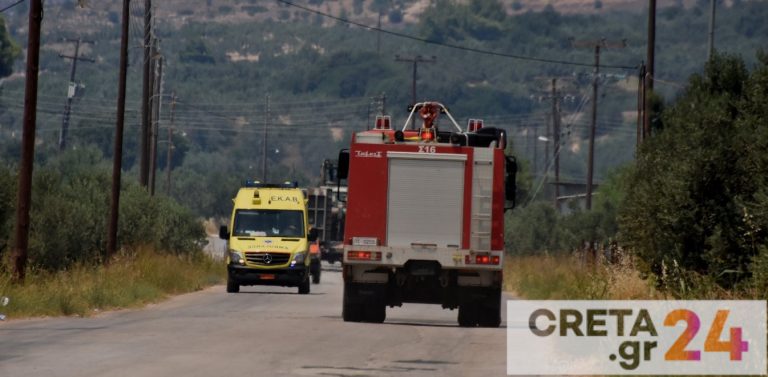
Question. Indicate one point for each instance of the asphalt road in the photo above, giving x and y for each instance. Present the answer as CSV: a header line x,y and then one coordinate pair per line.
x,y
262,331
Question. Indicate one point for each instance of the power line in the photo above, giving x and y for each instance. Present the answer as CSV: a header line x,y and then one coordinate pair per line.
x,y
11,6
449,45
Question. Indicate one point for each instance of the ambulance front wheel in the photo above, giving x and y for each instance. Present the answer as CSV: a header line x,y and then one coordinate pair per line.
x,y
232,286
304,287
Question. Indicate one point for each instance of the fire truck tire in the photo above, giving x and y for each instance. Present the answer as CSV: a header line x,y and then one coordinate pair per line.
x,y
490,317
351,311
232,286
490,314
304,287
468,315
375,311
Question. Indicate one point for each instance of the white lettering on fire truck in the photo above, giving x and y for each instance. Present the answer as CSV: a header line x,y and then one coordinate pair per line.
x,y
427,149
366,154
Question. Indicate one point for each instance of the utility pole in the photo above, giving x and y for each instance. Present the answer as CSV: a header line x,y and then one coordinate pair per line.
x,y
378,35
117,158
156,104
415,60
649,70
556,137
535,151
711,45
72,90
24,194
146,93
383,104
170,147
640,104
264,141
592,130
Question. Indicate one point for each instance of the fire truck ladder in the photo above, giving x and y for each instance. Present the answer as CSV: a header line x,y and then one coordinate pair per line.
x,y
482,203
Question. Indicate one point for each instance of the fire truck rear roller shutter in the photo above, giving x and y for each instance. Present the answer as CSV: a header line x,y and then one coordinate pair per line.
x,y
425,202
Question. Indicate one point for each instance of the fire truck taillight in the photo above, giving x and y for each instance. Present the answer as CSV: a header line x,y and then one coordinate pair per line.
x,y
482,259
474,125
383,122
364,255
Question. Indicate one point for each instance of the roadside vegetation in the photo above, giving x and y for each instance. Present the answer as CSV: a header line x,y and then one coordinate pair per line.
x,y
133,279
688,219
159,241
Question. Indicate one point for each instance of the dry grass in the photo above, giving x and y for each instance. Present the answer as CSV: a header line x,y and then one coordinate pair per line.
x,y
134,281
565,277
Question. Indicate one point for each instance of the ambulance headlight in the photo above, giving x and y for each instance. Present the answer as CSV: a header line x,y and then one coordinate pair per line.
x,y
235,257
298,258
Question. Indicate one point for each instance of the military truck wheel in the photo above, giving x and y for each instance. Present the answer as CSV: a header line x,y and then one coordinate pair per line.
x,y
468,315
304,286
232,286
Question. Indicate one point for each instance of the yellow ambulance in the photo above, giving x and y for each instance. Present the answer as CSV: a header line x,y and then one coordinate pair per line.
x,y
269,239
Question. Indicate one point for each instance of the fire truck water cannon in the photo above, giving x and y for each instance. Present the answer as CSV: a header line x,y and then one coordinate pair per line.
x,y
445,247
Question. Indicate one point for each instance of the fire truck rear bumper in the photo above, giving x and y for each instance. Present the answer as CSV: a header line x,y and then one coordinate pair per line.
x,y
288,277
448,259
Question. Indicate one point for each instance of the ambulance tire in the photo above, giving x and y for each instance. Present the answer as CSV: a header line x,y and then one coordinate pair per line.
x,y
352,310
304,287
232,286
468,315
316,276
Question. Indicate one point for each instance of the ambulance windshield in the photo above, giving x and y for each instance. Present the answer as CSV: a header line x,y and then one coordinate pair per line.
x,y
268,223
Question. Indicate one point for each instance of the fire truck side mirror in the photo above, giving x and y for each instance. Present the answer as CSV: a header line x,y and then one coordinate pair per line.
x,y
510,181
343,168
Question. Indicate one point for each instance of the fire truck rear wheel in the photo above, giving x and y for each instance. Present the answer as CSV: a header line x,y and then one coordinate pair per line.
x,y
232,286
490,314
304,286
351,311
468,315
375,311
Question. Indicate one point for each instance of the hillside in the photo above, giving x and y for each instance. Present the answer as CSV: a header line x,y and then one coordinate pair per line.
x,y
395,12
238,67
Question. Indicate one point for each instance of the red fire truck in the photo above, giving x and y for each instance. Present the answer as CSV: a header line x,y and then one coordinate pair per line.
x,y
425,217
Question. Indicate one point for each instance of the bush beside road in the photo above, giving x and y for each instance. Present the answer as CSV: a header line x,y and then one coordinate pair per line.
x,y
147,276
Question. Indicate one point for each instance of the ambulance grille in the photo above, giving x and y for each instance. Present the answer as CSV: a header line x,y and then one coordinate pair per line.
x,y
267,258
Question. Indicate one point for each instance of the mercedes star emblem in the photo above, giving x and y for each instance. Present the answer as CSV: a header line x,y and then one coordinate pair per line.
x,y
267,259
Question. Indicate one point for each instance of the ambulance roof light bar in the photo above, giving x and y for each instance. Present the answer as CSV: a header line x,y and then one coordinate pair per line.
x,y
443,110
250,183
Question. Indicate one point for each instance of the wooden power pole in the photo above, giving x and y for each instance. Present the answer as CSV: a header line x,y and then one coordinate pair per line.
x,y
117,158
146,94
649,69
156,107
556,139
415,60
593,128
24,194
169,157
71,90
